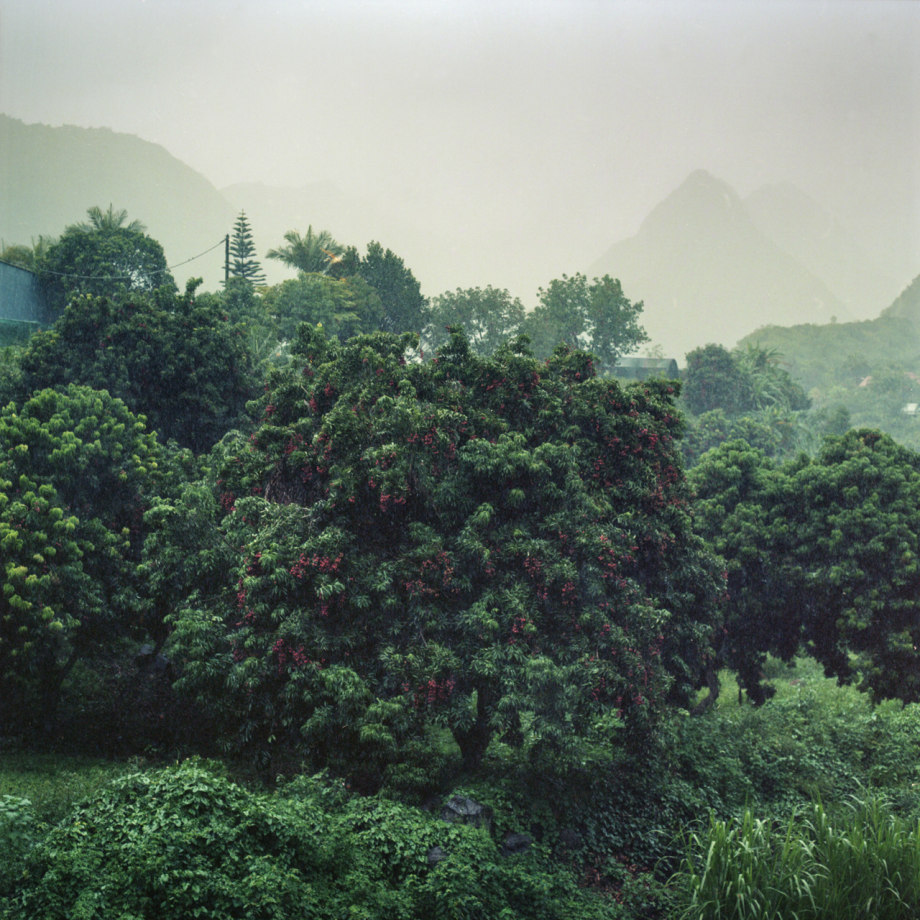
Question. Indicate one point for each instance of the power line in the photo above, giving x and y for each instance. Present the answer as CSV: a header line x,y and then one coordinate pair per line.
x,y
160,271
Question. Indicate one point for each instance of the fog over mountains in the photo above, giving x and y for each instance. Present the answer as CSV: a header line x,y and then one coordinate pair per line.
x,y
708,265
711,267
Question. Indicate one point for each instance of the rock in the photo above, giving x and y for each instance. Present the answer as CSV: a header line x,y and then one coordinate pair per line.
x,y
516,843
462,809
435,855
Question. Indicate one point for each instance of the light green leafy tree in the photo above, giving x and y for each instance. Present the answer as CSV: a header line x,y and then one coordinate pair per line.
x,y
489,318
308,252
594,316
76,471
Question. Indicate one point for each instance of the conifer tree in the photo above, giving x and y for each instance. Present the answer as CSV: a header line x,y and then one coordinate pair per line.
x,y
243,261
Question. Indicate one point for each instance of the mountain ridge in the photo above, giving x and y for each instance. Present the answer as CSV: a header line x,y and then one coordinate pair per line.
x,y
706,272
50,176
708,265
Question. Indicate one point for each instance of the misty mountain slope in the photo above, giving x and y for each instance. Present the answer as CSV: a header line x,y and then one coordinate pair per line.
x,y
707,273
907,303
800,226
834,355
49,176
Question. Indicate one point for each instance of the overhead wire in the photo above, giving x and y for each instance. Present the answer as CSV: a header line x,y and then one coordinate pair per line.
x,y
159,271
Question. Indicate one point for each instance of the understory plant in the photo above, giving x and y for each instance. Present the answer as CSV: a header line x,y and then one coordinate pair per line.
x,y
863,862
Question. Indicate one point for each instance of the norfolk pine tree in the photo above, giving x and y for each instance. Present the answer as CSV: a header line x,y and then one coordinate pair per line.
x,y
243,262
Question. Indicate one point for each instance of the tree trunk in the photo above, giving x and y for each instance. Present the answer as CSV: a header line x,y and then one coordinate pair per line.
x,y
474,740
714,686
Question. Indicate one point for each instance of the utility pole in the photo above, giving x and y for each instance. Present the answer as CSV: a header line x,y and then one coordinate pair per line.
x,y
226,260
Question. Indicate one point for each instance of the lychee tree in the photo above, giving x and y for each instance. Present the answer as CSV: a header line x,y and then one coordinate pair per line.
x,y
499,546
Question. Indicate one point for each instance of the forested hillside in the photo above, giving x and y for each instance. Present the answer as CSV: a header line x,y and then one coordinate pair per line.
x,y
870,368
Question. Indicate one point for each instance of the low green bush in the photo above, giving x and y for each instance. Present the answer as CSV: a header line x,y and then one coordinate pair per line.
x,y
186,842
55,782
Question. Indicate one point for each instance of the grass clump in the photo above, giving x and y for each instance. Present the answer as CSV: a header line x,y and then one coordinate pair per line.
x,y
862,862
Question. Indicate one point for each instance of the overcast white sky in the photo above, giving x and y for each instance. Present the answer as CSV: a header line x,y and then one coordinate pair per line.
x,y
562,122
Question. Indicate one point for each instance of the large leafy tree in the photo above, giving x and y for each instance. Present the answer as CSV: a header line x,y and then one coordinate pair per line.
x,y
495,545
244,265
713,380
344,307
77,470
488,316
106,255
405,308
175,359
821,554
595,316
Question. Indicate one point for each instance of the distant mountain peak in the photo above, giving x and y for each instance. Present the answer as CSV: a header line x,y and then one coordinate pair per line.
x,y
706,272
701,201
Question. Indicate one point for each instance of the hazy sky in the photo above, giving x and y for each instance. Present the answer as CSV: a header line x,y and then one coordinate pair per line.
x,y
547,126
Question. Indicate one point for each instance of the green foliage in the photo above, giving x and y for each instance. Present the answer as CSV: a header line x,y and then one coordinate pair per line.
x,y
13,333
776,432
869,367
104,257
820,553
496,546
19,831
745,380
76,468
10,373
819,356
404,307
594,316
488,317
816,867
343,307
176,360
27,257
186,842
308,252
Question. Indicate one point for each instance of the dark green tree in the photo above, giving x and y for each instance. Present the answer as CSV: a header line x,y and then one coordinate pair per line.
x,y
495,545
105,256
739,381
713,380
405,309
594,316
821,554
174,359
489,318
243,262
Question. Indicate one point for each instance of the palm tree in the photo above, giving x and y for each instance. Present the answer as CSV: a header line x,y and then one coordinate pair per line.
x,y
309,252
109,220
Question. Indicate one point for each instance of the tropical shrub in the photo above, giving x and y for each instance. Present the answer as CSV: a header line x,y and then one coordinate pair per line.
x,y
187,842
